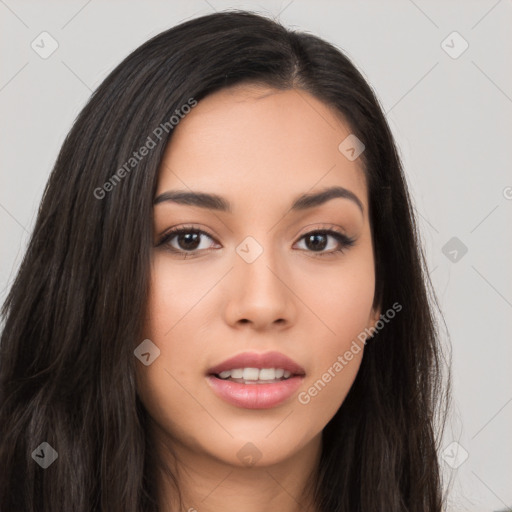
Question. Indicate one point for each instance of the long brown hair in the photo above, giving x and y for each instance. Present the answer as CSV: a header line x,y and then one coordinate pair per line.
x,y
74,313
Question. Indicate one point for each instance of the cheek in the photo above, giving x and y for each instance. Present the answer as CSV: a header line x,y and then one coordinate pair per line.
x,y
341,298
176,316
173,325
335,358
174,291
343,301
166,387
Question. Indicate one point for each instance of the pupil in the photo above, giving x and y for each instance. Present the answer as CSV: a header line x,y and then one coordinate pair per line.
x,y
315,244
191,240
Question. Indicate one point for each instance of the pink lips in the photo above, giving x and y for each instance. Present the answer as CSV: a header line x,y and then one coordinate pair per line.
x,y
255,360
256,396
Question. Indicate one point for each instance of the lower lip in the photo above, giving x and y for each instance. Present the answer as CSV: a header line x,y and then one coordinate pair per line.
x,y
255,396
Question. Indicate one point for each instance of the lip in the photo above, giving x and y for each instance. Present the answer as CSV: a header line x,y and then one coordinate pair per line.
x,y
256,360
256,396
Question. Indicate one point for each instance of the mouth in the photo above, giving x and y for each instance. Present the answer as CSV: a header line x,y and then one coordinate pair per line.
x,y
255,375
256,381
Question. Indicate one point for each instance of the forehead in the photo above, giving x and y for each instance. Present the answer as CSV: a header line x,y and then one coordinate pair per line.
x,y
258,140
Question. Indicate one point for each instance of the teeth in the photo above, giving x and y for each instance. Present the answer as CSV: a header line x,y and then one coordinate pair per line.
x,y
255,374
266,374
251,373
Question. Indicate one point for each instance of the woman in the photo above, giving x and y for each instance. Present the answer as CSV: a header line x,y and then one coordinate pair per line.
x,y
224,303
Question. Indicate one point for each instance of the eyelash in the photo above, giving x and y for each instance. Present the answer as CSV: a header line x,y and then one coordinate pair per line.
x,y
344,241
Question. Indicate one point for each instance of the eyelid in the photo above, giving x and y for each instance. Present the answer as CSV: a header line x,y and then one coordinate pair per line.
x,y
315,226
331,230
171,233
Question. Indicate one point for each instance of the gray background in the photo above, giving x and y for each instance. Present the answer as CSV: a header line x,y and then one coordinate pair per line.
x,y
451,118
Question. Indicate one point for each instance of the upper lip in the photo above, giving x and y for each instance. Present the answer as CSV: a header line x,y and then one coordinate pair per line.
x,y
256,360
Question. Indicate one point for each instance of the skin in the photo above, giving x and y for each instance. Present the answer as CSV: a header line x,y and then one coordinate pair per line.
x,y
260,148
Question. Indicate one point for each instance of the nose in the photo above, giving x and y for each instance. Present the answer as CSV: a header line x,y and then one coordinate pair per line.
x,y
261,294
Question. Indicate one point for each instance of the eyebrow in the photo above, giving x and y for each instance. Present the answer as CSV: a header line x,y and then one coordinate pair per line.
x,y
219,203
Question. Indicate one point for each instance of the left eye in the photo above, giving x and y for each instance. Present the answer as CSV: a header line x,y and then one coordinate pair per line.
x,y
189,241
318,240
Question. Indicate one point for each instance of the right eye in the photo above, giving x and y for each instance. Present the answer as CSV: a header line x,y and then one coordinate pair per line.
x,y
185,240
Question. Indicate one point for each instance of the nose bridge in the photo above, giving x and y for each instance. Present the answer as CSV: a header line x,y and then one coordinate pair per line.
x,y
259,261
260,295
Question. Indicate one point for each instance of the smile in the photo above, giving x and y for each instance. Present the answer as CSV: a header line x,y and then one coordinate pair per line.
x,y
255,375
253,380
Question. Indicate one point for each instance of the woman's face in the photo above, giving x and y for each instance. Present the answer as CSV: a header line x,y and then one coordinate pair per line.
x,y
253,283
